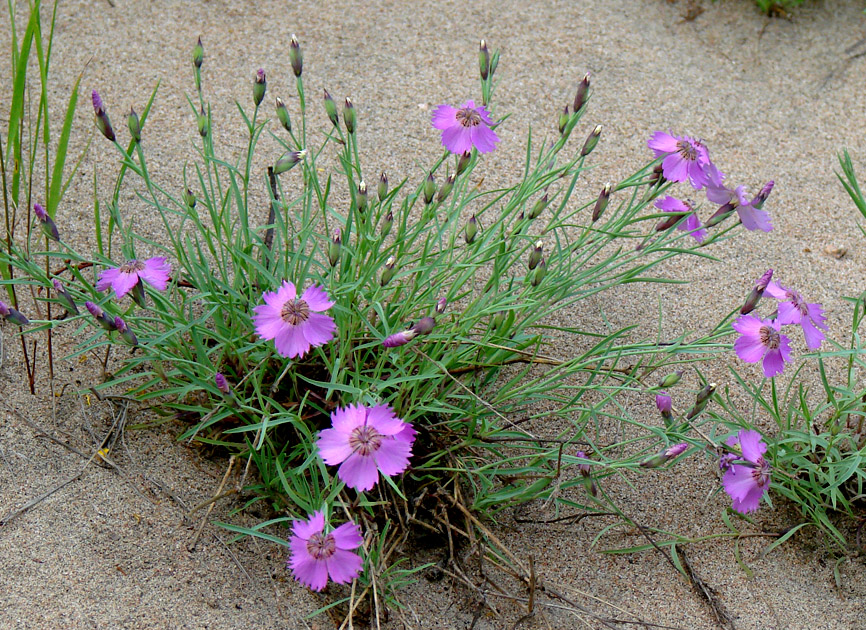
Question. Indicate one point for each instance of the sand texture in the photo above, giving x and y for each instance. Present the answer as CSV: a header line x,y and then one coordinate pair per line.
x,y
772,98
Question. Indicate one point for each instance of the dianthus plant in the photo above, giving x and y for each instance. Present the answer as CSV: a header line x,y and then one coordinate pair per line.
x,y
379,346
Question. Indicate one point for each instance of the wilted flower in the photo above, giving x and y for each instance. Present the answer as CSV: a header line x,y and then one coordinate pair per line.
x,y
317,555
363,442
795,310
388,271
423,327
12,315
701,401
685,158
123,279
761,339
465,128
295,324
692,224
746,482
101,318
65,298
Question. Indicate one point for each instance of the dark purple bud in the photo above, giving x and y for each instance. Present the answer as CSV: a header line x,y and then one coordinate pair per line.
x,y
669,221
757,293
101,117
12,315
47,223
591,141
382,189
295,56
331,109
586,472
283,115
759,200
349,117
721,214
64,297
536,254
601,202
563,119
582,92
484,60
657,176
222,384
99,315
198,54
134,125
125,332
260,86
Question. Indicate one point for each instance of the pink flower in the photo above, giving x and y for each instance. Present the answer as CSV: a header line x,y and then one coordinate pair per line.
x,y
692,224
795,310
366,441
465,128
760,339
685,158
295,324
747,482
123,279
749,211
317,555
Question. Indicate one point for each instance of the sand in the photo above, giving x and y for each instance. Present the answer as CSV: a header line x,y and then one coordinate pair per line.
x,y
773,99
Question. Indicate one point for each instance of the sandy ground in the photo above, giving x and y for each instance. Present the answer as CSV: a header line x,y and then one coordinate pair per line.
x,y
773,99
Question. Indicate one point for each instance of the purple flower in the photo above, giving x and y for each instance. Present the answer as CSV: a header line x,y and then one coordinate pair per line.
x,y
422,327
295,323
317,555
665,406
760,339
123,279
221,383
685,158
101,116
364,440
465,128
747,481
795,310
750,213
692,224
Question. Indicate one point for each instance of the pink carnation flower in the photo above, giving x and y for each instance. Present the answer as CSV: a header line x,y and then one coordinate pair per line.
x,y
749,211
795,310
317,555
761,339
747,482
154,271
366,441
295,324
465,128
692,224
685,158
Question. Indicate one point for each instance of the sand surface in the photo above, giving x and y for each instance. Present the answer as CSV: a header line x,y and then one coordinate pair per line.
x,y
773,99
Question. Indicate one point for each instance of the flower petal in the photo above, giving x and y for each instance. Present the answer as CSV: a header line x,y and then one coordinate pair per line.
x,y
290,342
672,204
661,143
348,536
484,138
774,364
754,219
751,444
156,272
749,348
457,139
675,168
359,472
311,572
392,458
344,566
348,418
107,278
334,447
267,321
317,299
318,329
384,420
444,117
305,529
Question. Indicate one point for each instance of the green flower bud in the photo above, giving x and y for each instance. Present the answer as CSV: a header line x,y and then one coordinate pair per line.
x,y
701,401
361,197
331,109
283,115
198,54
484,60
671,379
446,188
288,161
497,320
463,162
535,255
601,202
539,273
189,198
260,85
539,207
134,125
591,141
389,271
382,189
470,230
295,56
387,222
349,115
429,188
334,248
202,123
563,119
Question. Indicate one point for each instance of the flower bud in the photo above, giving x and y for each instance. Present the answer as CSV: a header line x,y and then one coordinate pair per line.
x,y
47,223
721,214
127,335
260,86
429,189
389,271
198,54
757,293
539,273
665,407
331,109
382,189
671,379
563,119
295,56
349,115
539,207
701,401
222,384
601,202
586,472
761,197
463,162
361,197
446,188
657,176
470,230
202,123
536,254
497,320
101,117
283,115
65,298
494,62
288,161
134,125
423,327
674,451
484,60
582,92
591,141
138,294
13,315
99,315
334,248
387,222
441,305
189,198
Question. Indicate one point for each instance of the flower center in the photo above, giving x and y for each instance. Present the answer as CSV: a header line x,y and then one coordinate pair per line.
x,y
761,472
365,440
769,337
687,150
295,312
321,546
132,266
799,303
468,117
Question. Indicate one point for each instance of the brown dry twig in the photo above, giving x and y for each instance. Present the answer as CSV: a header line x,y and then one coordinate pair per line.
x,y
707,593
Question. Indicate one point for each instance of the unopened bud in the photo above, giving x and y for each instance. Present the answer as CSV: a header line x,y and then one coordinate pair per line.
x,y
222,383
99,315
429,188
198,54
331,109
601,202
539,207
361,197
134,125
701,401
761,197
674,451
125,332
463,162
535,255
591,141
424,326
721,214
471,230
189,198
389,271
65,298
582,92
497,320
138,294
334,248
13,315
260,86
671,379
539,273
296,58
101,117
657,176
382,188
441,305
202,123
349,115
47,223
446,188
288,161
563,119
757,293
665,407
484,60
387,222
586,473
283,115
